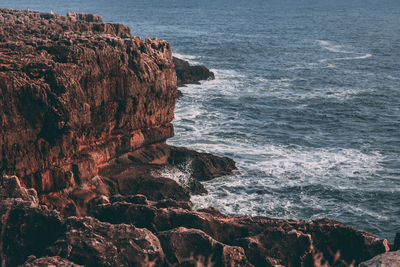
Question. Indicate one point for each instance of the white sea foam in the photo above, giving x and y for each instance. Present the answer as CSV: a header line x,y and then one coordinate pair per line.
x,y
341,49
182,177
193,60
333,48
281,161
356,57
364,56
343,169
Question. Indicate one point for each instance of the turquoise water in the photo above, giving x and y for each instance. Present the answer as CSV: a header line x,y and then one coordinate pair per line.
x,y
306,100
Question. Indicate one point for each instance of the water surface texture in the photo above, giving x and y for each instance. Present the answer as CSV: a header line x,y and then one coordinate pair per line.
x,y
306,100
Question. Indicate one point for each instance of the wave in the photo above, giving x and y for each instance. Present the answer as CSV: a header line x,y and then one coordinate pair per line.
x,y
302,163
364,56
333,48
293,183
341,49
193,60
357,57
184,178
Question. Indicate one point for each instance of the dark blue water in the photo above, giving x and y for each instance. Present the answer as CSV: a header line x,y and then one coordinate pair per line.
x,y
306,100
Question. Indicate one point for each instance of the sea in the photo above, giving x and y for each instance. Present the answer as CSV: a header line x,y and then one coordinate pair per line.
x,y
306,100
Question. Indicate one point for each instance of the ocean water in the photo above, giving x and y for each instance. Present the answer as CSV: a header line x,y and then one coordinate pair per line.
x,y
306,100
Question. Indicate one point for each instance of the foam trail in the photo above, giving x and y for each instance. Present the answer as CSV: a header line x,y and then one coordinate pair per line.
x,y
351,58
340,49
333,48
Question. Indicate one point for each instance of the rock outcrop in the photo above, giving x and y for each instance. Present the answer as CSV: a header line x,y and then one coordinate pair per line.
x,y
188,74
266,242
86,109
26,227
76,93
135,231
90,242
191,246
87,178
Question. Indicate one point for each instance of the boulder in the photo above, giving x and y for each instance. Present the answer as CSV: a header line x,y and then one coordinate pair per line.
x,y
203,166
90,242
10,187
27,229
388,259
188,74
193,247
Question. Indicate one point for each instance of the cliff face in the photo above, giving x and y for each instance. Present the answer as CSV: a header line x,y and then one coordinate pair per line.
x,y
76,92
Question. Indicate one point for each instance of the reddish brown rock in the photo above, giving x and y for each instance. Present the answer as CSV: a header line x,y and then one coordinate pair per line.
x,y
161,160
76,93
80,99
49,261
192,247
90,242
277,246
266,242
388,259
10,187
75,201
143,171
27,229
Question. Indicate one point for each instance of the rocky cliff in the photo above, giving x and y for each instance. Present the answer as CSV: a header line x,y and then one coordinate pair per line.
x,y
76,93
85,111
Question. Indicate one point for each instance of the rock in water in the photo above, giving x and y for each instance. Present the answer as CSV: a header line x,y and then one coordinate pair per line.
x,y
191,74
204,166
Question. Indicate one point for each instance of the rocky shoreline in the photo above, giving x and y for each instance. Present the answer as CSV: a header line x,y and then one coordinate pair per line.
x,y
86,110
